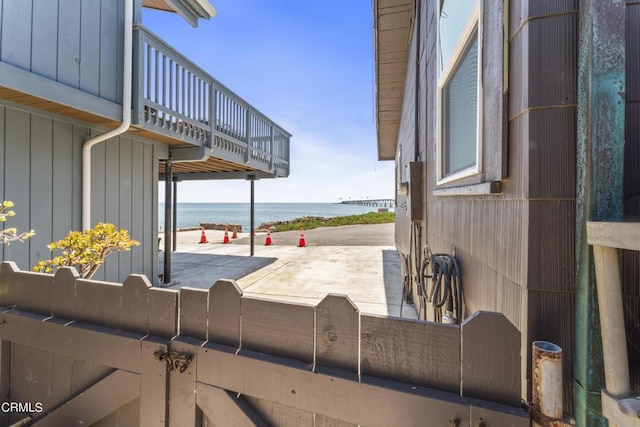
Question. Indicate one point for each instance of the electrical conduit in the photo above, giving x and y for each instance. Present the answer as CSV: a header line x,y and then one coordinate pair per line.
x,y
127,77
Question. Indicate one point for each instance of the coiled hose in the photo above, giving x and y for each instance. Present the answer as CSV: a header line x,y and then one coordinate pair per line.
x,y
446,287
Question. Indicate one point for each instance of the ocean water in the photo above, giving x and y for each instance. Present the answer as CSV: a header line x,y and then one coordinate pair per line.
x,y
192,214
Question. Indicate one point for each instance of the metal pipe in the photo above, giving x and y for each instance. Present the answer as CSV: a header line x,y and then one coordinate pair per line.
x,y
175,215
252,226
547,379
127,77
614,340
168,204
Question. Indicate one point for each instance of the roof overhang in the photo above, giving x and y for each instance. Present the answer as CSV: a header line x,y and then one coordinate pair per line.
x,y
392,31
190,10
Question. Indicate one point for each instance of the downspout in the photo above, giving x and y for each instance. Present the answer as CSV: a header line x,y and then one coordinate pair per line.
x,y
127,77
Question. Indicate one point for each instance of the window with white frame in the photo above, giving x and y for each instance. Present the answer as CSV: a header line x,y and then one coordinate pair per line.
x,y
459,90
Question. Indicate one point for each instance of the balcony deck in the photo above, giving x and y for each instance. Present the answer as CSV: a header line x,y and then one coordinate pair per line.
x,y
174,102
176,98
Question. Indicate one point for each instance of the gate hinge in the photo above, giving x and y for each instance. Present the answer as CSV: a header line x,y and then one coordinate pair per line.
x,y
176,361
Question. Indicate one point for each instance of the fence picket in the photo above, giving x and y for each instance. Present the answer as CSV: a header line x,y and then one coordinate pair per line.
x,y
98,303
163,312
490,341
135,300
224,313
193,313
7,288
337,333
398,358
278,328
417,352
64,289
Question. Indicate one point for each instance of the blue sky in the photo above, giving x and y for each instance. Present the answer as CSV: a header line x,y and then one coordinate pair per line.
x,y
307,65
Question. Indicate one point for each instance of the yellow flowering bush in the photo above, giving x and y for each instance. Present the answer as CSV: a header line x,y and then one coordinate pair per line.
x,y
88,249
11,234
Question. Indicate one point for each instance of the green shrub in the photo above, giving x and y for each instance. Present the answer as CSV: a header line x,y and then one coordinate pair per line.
x,y
314,222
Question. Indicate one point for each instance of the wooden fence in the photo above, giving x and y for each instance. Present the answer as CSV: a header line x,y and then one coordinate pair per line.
x,y
97,353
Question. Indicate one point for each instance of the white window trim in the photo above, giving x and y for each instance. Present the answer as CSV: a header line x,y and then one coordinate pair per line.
x,y
475,21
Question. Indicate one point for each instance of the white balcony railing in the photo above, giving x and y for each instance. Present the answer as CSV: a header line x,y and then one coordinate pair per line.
x,y
176,98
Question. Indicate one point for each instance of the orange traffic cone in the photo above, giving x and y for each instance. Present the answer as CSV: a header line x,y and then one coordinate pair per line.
x,y
302,243
226,236
268,242
203,237
235,233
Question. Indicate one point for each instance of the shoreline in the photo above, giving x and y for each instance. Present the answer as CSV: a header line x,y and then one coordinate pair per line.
x,y
305,222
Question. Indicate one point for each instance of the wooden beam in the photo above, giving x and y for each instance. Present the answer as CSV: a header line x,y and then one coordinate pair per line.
x,y
372,402
225,409
98,345
95,403
622,235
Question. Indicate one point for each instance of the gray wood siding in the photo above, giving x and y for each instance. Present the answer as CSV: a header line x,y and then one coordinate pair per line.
x,y
406,144
516,249
75,42
116,165
41,164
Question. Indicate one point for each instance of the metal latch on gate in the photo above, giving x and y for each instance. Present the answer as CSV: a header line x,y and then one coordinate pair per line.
x,y
176,361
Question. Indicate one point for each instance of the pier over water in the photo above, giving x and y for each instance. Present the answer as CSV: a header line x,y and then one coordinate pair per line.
x,y
384,203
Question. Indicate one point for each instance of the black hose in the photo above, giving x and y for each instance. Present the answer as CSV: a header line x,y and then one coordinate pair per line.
x,y
446,290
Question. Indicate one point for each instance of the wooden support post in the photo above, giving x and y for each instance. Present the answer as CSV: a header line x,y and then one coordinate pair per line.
x,y
168,203
614,338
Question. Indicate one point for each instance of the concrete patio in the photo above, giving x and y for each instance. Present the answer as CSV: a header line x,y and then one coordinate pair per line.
x,y
358,261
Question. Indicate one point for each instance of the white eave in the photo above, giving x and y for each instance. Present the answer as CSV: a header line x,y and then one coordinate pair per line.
x,y
392,30
190,10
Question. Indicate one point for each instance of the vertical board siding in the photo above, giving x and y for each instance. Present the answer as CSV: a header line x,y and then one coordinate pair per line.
x,y
41,190
68,60
98,191
124,204
553,61
149,191
44,47
136,230
44,180
77,43
17,180
109,49
16,34
90,47
80,134
62,200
